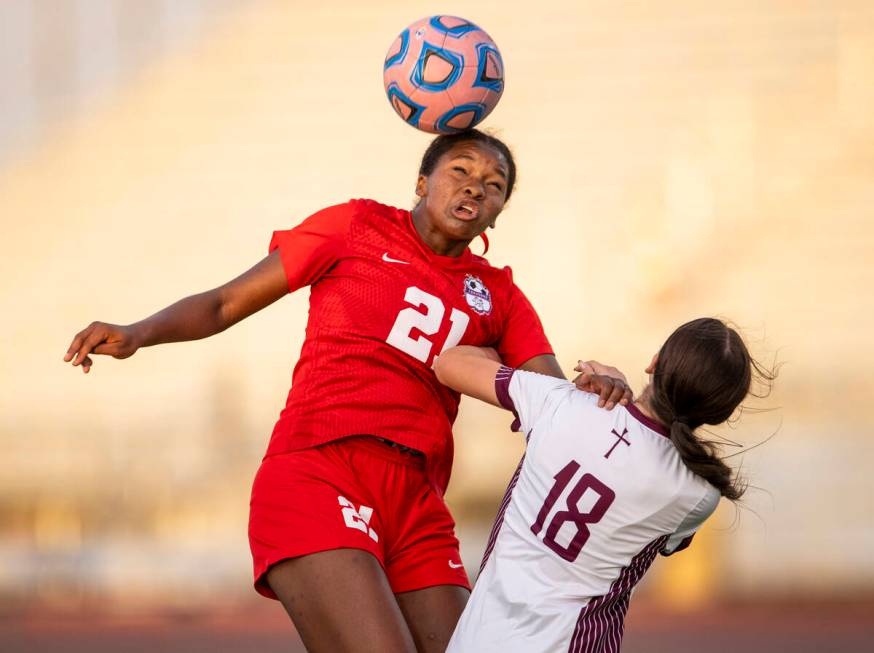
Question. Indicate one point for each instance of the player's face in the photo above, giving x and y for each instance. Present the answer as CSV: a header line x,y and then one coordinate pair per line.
x,y
466,191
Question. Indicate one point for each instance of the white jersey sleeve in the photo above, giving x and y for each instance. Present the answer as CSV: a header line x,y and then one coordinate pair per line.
x,y
682,537
531,396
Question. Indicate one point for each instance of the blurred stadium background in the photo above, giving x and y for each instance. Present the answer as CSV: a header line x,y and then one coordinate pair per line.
x,y
676,159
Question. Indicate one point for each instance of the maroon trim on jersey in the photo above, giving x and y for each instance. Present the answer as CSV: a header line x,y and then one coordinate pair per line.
x,y
647,421
682,545
502,389
499,520
602,620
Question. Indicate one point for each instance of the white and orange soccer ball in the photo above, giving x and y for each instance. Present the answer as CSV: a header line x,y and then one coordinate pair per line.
x,y
443,74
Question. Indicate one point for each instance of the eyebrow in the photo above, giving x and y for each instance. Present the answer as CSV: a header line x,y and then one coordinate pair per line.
x,y
500,169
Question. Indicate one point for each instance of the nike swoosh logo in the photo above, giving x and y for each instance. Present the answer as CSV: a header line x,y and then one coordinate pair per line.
x,y
454,565
388,259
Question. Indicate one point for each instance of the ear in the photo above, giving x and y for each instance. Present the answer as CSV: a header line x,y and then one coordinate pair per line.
x,y
652,365
422,186
492,225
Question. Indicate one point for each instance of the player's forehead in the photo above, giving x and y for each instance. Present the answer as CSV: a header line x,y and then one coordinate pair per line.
x,y
480,153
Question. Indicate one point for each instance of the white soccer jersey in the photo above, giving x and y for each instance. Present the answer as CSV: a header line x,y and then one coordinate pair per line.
x,y
597,494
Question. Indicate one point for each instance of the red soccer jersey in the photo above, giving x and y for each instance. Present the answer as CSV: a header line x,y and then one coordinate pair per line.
x,y
382,306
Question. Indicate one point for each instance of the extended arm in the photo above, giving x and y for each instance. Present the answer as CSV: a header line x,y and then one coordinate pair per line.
x,y
191,318
470,371
607,382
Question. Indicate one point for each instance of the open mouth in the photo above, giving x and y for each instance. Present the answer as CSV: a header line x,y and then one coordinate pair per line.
x,y
466,210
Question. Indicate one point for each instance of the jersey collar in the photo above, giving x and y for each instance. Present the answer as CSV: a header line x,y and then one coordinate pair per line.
x,y
462,261
646,421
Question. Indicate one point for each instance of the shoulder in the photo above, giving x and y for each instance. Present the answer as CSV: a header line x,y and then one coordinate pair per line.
x,y
704,499
499,277
709,501
369,208
541,389
529,378
687,487
483,263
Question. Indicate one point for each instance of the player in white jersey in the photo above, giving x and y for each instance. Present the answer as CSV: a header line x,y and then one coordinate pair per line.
x,y
598,493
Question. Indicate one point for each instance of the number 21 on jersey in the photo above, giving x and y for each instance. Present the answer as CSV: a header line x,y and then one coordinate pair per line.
x,y
426,317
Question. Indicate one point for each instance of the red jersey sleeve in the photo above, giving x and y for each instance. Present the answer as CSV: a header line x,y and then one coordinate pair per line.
x,y
310,249
523,337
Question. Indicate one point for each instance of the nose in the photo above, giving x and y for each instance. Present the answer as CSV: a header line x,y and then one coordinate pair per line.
x,y
475,189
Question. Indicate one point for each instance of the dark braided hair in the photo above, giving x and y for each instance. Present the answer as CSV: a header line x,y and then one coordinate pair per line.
x,y
443,143
702,374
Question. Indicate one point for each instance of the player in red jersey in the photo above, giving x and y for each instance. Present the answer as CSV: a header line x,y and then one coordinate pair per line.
x,y
348,527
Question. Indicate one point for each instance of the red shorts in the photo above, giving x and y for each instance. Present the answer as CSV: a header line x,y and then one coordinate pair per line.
x,y
354,493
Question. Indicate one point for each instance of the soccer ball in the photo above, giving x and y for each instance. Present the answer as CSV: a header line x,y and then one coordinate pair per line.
x,y
443,74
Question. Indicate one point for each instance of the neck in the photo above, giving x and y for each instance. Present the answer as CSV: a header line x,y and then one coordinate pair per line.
x,y
644,406
436,241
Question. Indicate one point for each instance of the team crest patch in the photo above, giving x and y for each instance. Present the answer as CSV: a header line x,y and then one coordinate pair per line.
x,y
477,295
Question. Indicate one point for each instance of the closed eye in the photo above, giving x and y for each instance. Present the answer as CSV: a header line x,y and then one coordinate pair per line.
x,y
459,169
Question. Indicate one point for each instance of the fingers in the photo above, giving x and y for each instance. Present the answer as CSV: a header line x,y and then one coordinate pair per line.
x,y
77,343
596,384
606,381
611,391
584,382
616,394
627,396
102,339
606,370
604,386
93,339
85,343
605,391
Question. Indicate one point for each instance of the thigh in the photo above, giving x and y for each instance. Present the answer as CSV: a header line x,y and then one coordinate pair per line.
x,y
340,602
423,552
307,502
432,614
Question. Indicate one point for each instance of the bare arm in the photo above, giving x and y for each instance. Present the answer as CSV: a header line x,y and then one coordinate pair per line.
x,y
192,318
545,364
465,372
470,371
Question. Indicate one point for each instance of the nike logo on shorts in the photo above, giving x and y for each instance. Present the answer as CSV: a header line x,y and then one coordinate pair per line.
x,y
388,259
455,565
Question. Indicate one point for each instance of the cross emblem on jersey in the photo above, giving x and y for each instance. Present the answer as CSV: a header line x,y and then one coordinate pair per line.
x,y
621,439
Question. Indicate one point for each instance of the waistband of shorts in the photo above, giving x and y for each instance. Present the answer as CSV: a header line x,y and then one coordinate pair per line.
x,y
384,448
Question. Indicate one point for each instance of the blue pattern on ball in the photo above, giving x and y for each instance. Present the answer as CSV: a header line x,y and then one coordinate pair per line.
x,y
394,91
405,46
458,30
429,49
482,52
443,123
